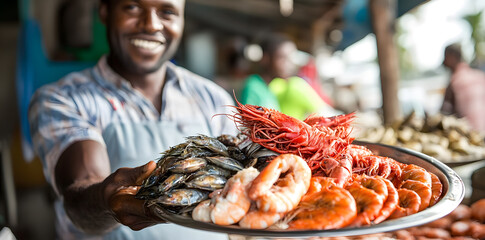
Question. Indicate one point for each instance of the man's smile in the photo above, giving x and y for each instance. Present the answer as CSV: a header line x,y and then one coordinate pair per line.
x,y
146,44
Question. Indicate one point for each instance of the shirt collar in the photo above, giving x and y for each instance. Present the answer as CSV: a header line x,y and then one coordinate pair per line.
x,y
109,75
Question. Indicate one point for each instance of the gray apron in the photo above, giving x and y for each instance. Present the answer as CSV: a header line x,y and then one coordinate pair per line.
x,y
134,144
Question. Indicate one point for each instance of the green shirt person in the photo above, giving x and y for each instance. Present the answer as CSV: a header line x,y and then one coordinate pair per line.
x,y
296,97
256,92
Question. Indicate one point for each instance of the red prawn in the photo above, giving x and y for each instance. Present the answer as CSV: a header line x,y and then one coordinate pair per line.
x,y
330,122
272,129
285,134
339,168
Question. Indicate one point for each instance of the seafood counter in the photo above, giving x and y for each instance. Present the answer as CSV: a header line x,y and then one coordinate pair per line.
x,y
447,138
281,173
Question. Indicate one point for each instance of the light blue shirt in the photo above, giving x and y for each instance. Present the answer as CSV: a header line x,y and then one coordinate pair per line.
x,y
98,104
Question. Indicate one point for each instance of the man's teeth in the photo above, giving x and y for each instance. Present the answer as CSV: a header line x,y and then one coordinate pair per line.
x,y
145,44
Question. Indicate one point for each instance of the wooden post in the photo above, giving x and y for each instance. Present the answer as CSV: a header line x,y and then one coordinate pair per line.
x,y
383,14
321,26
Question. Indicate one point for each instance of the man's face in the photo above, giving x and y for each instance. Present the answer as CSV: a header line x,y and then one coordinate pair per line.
x,y
143,34
450,61
282,64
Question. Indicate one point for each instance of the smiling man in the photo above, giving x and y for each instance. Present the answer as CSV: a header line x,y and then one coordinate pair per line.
x,y
97,130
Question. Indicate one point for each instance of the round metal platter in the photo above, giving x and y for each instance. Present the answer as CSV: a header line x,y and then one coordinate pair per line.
x,y
453,193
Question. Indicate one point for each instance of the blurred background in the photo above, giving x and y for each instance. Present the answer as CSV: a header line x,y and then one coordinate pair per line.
x,y
357,53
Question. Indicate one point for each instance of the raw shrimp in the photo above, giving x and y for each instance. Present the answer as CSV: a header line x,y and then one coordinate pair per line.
x,y
421,189
330,122
257,219
233,203
429,233
332,207
390,204
337,125
285,134
369,204
478,210
409,202
436,189
274,194
462,212
273,129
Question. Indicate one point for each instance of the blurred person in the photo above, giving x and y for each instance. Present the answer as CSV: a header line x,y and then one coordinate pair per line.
x,y
465,93
277,86
96,131
255,90
310,74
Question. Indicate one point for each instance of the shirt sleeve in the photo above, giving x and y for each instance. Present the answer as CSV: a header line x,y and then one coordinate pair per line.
x,y
57,121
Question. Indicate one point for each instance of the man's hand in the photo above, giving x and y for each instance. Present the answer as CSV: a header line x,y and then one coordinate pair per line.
x,y
95,200
120,189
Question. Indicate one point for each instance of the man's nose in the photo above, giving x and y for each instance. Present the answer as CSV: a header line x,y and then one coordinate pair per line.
x,y
153,23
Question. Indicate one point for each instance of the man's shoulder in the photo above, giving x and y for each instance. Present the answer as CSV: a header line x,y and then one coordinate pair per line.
x,y
70,82
66,86
188,75
198,82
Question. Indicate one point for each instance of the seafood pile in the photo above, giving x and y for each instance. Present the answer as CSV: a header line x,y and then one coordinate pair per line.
x,y
463,223
188,172
303,175
446,138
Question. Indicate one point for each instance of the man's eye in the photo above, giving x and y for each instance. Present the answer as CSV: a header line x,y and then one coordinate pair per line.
x,y
132,8
168,12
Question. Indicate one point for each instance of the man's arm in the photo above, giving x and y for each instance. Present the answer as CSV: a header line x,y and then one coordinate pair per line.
x,y
96,200
448,105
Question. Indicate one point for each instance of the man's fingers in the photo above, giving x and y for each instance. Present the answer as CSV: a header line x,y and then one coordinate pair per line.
x,y
131,190
144,171
140,226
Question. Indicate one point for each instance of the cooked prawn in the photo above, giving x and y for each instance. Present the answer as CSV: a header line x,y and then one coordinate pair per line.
x,y
374,183
257,219
319,183
368,202
274,194
436,189
421,189
332,207
414,172
203,211
374,165
390,204
233,203
358,151
409,202
339,168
